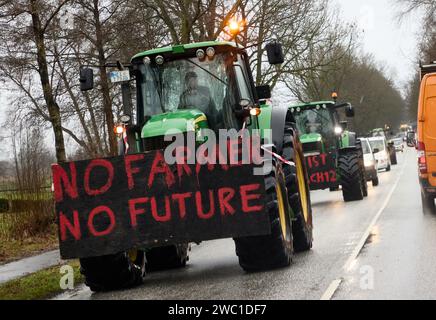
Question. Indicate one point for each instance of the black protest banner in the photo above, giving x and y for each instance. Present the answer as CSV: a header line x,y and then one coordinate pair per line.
x,y
321,171
110,205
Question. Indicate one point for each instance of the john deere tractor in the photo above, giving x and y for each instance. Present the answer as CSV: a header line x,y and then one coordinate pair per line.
x,y
333,154
191,87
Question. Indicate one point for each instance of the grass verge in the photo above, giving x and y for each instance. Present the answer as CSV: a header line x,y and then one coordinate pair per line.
x,y
12,249
40,285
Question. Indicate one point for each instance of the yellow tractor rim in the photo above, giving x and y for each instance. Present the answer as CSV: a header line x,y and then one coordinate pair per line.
x,y
282,211
133,254
302,187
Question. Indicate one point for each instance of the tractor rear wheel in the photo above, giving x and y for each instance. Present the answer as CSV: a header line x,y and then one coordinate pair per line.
x,y
298,191
116,271
375,182
168,257
275,250
393,156
351,176
364,185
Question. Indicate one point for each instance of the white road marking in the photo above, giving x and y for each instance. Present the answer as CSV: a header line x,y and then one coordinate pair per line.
x,y
328,294
334,285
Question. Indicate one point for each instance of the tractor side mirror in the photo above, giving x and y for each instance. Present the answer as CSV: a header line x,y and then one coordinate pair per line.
x,y
263,92
275,54
344,125
349,111
86,79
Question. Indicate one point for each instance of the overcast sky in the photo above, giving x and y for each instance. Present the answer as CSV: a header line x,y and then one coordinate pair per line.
x,y
392,44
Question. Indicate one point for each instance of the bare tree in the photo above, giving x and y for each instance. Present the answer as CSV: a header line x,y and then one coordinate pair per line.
x,y
406,7
193,20
16,14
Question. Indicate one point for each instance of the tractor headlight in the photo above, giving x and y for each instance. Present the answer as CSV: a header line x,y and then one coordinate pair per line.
x,y
338,130
210,52
200,54
146,61
159,60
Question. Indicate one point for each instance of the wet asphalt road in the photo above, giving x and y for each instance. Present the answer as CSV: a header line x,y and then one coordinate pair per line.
x,y
383,247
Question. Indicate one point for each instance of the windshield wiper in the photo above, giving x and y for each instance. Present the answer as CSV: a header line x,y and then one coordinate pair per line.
x,y
204,69
158,84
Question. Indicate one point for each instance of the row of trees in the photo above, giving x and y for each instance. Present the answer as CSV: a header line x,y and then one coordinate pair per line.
x,y
361,81
426,49
45,42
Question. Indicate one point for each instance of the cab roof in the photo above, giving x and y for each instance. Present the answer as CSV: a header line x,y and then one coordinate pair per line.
x,y
312,104
183,47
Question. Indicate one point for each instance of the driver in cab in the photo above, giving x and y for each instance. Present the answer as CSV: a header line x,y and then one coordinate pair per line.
x,y
198,97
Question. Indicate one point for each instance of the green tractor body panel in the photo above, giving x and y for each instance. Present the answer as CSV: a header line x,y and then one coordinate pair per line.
x,y
345,139
310,137
174,122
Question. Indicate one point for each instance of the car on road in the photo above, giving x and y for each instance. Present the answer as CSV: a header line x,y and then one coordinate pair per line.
x,y
379,147
371,166
411,139
398,144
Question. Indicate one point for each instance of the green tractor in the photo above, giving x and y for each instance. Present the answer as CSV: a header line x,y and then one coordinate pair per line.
x,y
208,85
333,154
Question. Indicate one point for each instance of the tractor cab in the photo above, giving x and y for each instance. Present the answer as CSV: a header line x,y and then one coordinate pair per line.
x,y
185,88
330,149
319,126
191,87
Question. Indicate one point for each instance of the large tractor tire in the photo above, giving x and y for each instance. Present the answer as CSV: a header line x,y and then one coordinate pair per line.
x,y
392,155
168,257
351,174
113,272
275,250
364,184
298,191
362,168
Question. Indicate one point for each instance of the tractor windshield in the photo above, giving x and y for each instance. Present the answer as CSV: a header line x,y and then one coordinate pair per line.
x,y
317,121
189,84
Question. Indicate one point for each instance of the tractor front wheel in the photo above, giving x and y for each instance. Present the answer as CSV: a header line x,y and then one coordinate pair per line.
x,y
113,272
351,176
168,257
298,191
275,250
375,182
